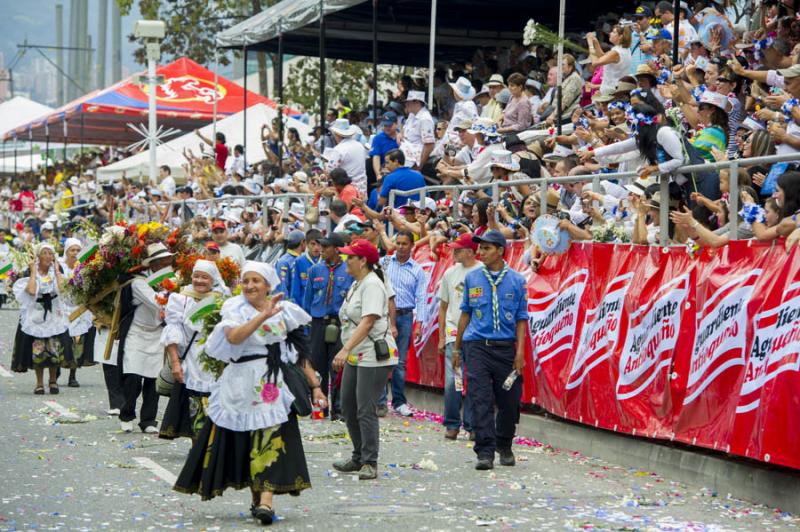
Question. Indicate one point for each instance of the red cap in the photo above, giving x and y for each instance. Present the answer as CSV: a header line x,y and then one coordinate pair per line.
x,y
219,224
362,248
212,246
464,241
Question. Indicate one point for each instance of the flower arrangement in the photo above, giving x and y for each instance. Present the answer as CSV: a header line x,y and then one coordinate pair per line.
x,y
609,232
184,264
535,33
209,321
229,270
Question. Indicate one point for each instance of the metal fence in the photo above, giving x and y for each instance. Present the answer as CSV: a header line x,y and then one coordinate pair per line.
x,y
595,179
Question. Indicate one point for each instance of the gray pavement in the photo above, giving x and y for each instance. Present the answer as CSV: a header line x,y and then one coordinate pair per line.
x,y
68,466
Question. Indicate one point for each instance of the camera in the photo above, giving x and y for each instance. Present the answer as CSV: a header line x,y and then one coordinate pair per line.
x,y
450,150
563,215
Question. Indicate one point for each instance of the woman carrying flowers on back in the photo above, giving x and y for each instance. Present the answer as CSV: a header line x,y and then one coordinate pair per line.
x,y
251,437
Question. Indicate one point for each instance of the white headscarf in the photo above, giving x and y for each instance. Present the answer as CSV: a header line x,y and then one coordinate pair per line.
x,y
210,268
68,243
41,246
267,271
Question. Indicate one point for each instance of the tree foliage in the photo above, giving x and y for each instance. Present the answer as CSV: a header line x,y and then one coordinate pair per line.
x,y
342,78
190,25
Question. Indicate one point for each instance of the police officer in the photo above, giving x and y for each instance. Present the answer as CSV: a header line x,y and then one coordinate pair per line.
x,y
302,264
492,330
295,246
328,283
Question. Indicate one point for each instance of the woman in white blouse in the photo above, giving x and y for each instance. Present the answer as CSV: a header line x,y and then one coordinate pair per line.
x,y
252,438
185,412
616,62
42,339
81,331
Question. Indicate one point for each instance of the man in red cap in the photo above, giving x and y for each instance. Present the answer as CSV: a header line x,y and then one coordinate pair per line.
x,y
451,293
219,232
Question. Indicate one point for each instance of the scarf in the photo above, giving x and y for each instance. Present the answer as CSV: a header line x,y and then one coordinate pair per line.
x,y
495,302
189,291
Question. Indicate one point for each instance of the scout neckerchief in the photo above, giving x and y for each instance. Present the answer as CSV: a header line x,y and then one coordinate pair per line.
x,y
495,303
311,259
329,291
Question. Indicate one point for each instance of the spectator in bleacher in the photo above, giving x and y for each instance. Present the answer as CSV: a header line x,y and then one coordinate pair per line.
x,y
517,114
384,142
616,62
418,138
492,109
349,154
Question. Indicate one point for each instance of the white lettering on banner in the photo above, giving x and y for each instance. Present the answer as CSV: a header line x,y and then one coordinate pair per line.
x,y
720,338
652,335
600,331
188,89
553,318
775,349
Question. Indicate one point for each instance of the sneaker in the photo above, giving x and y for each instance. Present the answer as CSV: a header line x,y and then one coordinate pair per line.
x,y
347,466
150,429
451,434
484,464
112,411
404,410
383,410
126,426
507,457
367,472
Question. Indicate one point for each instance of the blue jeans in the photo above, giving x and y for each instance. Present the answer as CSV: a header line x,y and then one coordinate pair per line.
x,y
452,398
405,325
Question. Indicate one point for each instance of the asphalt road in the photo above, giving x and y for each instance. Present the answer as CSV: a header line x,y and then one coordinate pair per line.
x,y
65,465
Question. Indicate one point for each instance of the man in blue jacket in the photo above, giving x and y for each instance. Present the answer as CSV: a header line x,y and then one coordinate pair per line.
x,y
302,264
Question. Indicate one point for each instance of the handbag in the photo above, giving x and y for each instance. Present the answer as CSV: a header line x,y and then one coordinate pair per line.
x,y
296,381
165,381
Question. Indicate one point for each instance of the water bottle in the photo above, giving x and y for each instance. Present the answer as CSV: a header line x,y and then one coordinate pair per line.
x,y
509,382
459,380
317,412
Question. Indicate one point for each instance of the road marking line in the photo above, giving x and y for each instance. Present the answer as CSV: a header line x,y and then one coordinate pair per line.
x,y
61,410
4,372
156,469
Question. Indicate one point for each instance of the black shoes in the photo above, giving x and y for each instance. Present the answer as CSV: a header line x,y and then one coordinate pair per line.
x,y
265,514
507,457
347,466
73,383
484,464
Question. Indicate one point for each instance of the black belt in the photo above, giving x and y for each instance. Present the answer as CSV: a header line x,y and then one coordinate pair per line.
x,y
47,303
247,358
328,319
496,343
402,311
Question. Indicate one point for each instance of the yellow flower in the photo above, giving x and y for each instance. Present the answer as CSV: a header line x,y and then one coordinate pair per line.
x,y
148,227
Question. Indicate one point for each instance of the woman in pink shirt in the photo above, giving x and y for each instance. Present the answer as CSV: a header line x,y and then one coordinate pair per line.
x,y
517,114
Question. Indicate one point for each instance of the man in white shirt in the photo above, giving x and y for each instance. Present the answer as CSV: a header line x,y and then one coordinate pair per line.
x,y
236,167
340,216
451,293
349,154
417,139
166,182
219,233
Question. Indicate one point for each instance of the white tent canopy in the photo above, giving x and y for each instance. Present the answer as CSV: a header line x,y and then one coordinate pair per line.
x,y
23,163
171,153
19,111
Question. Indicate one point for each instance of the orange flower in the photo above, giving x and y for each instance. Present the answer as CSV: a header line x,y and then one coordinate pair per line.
x,y
162,300
169,285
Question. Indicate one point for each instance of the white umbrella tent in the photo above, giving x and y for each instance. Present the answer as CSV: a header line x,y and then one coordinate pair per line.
x,y
171,153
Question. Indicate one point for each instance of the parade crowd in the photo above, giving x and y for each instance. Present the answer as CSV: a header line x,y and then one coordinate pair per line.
x,y
254,294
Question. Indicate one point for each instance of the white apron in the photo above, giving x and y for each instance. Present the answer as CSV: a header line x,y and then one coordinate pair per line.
x,y
144,353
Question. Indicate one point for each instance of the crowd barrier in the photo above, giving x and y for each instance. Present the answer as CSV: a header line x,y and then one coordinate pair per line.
x,y
656,342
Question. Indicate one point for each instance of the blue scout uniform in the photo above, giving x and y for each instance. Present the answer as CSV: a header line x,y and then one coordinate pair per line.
x,y
302,264
285,269
326,291
489,349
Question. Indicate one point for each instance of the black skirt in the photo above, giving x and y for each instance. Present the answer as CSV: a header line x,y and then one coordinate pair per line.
x,y
185,413
83,349
35,353
263,460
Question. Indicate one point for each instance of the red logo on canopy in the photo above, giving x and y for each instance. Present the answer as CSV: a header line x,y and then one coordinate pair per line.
x,y
188,88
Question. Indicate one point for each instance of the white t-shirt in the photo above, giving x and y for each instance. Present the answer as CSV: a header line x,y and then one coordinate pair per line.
x,y
167,186
352,157
234,251
347,218
451,291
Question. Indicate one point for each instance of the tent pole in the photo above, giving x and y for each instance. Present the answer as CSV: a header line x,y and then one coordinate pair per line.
x,y
216,91
375,64
80,158
431,50
322,105
560,63
64,130
676,24
280,98
30,141
15,156
244,109
46,152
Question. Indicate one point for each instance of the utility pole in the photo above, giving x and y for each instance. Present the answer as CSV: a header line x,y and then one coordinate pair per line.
x,y
60,53
116,43
102,25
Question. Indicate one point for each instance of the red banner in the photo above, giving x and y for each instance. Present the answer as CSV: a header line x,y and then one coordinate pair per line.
x,y
658,343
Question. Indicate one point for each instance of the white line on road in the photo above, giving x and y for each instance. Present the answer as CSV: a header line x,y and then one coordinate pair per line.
x,y
4,372
156,469
61,410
